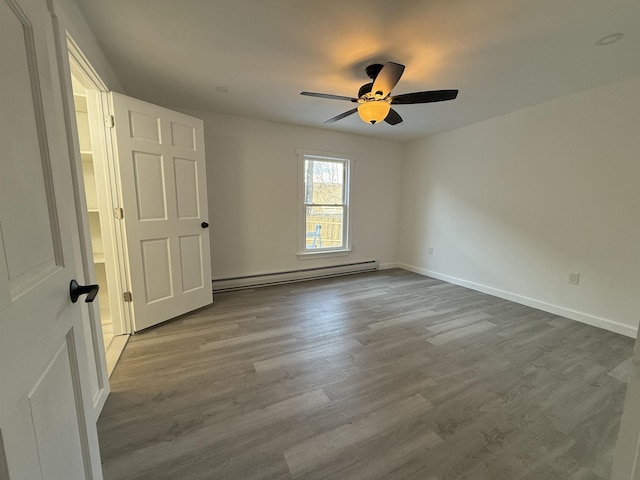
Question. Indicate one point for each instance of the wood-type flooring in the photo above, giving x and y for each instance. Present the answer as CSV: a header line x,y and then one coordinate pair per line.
x,y
385,375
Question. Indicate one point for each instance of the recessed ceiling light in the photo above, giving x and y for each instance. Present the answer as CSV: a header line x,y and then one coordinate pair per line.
x,y
609,39
222,89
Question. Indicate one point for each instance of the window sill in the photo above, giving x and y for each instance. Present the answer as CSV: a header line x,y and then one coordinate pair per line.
x,y
323,253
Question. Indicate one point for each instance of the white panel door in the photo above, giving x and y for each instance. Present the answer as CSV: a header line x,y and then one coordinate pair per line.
x,y
45,432
161,161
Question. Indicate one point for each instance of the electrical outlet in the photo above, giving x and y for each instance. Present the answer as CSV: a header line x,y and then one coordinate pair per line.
x,y
430,252
574,278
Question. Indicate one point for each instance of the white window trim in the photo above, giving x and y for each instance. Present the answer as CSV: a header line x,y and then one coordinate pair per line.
x,y
303,253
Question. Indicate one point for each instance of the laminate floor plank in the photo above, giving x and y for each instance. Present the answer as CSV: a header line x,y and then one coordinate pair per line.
x,y
383,375
321,448
341,347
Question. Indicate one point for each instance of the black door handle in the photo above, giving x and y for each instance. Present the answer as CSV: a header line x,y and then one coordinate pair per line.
x,y
76,290
204,225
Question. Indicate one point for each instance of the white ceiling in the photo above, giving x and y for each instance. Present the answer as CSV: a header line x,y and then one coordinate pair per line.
x,y
502,55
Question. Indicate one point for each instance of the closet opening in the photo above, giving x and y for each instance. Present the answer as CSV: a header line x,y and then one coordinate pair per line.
x,y
101,193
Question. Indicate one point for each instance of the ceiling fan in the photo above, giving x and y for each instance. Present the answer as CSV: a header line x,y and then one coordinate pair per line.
x,y
375,99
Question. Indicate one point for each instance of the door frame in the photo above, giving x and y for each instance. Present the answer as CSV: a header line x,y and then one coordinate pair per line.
x,y
90,315
71,58
80,67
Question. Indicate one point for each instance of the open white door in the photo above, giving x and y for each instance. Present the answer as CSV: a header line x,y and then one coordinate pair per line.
x,y
160,157
45,427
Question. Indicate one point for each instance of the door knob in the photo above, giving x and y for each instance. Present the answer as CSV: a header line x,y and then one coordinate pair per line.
x,y
204,225
76,290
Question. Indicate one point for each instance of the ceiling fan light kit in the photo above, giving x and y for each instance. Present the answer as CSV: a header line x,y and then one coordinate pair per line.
x,y
375,98
374,111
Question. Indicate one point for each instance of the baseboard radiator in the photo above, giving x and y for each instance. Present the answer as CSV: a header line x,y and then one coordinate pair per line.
x,y
261,280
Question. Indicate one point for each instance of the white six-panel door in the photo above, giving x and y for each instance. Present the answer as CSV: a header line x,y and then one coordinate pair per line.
x,y
45,429
160,156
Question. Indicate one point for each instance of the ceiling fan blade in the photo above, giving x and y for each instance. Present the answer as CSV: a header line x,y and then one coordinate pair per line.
x,y
342,115
393,118
387,79
424,97
327,95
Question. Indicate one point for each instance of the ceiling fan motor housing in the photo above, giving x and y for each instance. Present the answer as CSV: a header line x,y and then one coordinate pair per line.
x,y
373,70
364,89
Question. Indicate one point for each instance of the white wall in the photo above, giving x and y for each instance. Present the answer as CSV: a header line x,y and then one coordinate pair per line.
x,y
513,204
252,174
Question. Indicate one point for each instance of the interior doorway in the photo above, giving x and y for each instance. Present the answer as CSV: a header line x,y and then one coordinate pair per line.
x,y
99,189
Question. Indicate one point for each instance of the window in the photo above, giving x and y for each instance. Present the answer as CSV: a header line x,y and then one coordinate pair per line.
x,y
324,203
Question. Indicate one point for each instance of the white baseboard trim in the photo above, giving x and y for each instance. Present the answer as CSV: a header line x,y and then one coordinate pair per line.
x,y
264,279
587,318
114,351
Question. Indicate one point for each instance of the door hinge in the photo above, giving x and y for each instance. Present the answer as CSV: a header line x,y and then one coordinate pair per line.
x,y
109,121
118,213
127,296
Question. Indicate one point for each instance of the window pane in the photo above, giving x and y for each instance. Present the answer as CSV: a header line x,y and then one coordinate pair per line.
x,y
324,182
324,227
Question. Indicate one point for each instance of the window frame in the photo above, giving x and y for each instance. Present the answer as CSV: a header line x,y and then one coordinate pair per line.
x,y
348,161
